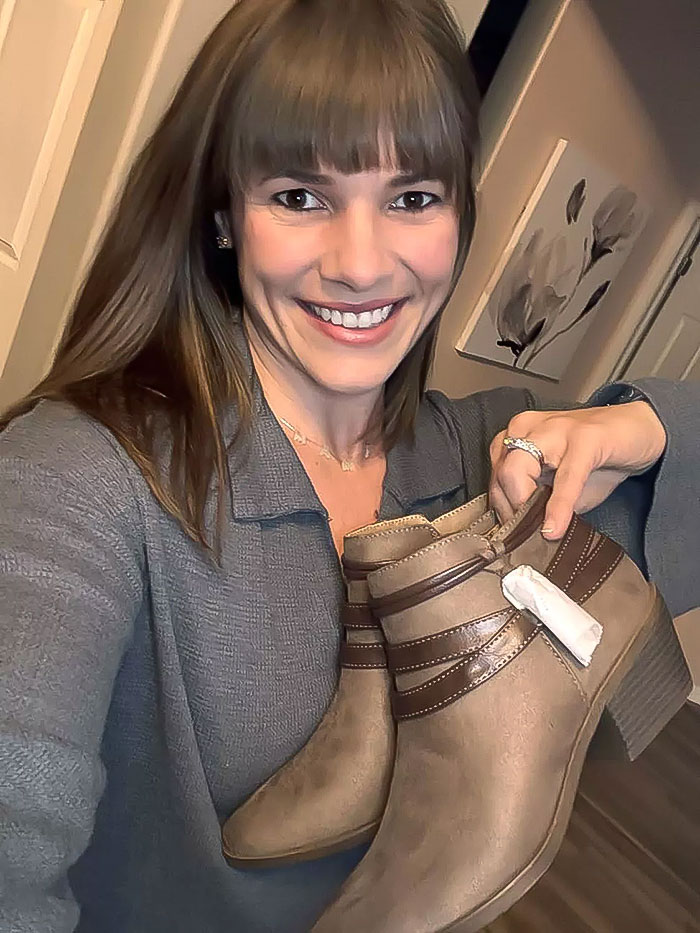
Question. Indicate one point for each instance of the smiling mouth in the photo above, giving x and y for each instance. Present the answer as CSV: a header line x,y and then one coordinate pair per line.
x,y
351,320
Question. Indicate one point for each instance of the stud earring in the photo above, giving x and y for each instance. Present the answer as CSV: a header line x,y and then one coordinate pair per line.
x,y
223,242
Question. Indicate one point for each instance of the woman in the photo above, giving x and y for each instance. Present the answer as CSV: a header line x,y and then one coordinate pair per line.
x,y
238,388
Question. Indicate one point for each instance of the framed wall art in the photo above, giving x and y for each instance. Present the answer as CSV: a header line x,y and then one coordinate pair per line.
x,y
550,284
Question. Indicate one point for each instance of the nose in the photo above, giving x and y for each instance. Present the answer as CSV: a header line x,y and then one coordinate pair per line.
x,y
358,255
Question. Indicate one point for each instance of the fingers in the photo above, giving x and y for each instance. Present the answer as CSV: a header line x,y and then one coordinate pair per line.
x,y
499,502
497,497
514,476
516,473
570,478
576,449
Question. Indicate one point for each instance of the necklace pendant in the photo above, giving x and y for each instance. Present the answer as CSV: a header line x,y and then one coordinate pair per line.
x,y
326,454
347,465
299,438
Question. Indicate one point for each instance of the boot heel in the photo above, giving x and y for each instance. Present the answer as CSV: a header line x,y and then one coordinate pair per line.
x,y
649,696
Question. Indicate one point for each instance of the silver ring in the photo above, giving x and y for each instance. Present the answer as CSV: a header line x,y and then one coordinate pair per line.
x,y
522,443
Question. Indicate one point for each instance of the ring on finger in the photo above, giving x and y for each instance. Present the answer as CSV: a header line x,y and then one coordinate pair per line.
x,y
522,443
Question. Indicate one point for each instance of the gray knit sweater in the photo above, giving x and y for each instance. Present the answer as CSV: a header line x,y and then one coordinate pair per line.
x,y
144,692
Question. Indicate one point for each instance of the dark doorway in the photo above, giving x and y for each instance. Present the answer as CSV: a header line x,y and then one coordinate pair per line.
x,y
492,37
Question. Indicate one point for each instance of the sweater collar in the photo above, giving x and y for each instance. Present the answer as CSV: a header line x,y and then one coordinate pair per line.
x,y
268,480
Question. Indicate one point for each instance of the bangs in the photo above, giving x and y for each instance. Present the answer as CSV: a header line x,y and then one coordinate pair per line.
x,y
363,90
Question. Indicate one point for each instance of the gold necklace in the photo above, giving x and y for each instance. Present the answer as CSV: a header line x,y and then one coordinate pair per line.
x,y
346,465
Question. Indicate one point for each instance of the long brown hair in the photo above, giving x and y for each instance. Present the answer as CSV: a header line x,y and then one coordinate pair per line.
x,y
150,347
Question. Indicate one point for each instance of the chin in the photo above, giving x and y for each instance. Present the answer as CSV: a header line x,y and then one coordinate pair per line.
x,y
354,384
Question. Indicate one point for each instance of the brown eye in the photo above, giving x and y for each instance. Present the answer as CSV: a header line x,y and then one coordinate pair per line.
x,y
298,199
415,201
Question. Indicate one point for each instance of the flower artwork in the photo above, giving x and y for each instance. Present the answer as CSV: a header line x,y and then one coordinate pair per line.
x,y
551,282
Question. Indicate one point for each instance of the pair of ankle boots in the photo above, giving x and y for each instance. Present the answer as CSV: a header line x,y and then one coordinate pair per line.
x,y
460,724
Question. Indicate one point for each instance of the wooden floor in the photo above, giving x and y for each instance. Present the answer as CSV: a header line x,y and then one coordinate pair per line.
x,y
630,862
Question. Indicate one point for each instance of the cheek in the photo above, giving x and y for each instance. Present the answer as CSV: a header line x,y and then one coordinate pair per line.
x,y
433,253
271,251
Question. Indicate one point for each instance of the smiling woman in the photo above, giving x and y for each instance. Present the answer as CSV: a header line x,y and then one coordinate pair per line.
x,y
304,148
240,388
343,277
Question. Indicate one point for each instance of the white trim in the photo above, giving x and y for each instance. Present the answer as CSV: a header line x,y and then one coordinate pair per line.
x,y
124,154
520,43
620,349
507,253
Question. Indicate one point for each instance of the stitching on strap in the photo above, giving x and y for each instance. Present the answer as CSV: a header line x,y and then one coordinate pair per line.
x,y
471,686
581,558
564,545
498,637
354,664
603,578
449,631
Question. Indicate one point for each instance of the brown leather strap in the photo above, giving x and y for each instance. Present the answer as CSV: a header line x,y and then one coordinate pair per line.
x,y
445,580
468,673
470,636
582,562
596,570
357,616
361,655
359,570
438,583
573,550
530,523
445,646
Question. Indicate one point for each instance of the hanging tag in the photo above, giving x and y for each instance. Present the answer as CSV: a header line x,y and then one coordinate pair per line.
x,y
575,628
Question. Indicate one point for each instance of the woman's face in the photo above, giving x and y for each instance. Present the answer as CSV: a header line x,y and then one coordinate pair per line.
x,y
346,271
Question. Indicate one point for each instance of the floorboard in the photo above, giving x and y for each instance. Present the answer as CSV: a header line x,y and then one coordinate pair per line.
x,y
630,862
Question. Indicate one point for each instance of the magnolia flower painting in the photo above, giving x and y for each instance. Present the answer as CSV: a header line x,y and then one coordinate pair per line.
x,y
550,285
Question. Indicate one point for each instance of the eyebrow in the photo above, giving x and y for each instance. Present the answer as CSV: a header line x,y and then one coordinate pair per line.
x,y
410,178
300,174
316,178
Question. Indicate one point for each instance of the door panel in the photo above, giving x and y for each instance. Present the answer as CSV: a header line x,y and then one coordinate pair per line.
x,y
671,348
679,355
50,57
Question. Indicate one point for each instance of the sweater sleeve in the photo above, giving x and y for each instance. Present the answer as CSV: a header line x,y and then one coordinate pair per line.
x,y
70,587
667,498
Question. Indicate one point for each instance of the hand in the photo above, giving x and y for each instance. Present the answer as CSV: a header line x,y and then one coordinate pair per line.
x,y
587,453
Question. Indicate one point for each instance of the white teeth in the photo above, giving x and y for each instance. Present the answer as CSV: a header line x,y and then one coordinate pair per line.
x,y
351,320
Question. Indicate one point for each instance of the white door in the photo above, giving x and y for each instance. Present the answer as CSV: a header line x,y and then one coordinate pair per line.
x,y
51,53
67,139
151,47
671,347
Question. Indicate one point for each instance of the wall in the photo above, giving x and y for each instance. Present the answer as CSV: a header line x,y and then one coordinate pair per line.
x,y
469,13
153,44
579,89
621,79
100,142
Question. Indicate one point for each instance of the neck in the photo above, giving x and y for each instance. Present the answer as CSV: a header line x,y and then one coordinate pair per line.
x,y
338,421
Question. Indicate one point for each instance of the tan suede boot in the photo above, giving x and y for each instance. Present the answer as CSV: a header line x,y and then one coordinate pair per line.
x,y
330,796
491,742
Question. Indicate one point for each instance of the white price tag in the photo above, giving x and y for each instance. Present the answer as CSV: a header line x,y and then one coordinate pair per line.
x,y
575,628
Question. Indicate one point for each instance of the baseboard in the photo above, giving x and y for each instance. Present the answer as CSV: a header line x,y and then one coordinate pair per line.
x,y
695,695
